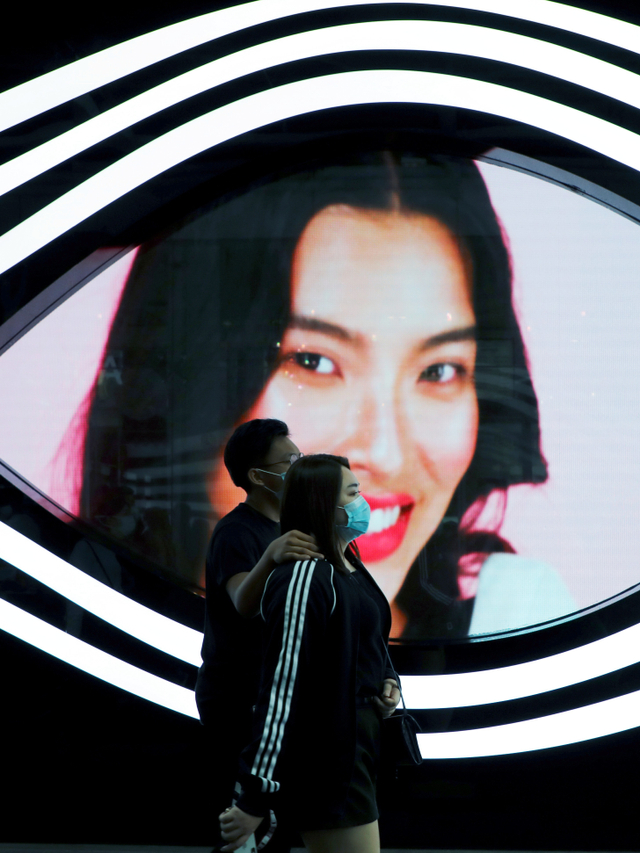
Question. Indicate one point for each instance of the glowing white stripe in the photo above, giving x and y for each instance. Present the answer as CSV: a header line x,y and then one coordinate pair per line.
x,y
77,78
475,688
434,691
440,36
127,615
598,720
554,672
293,99
96,662
580,724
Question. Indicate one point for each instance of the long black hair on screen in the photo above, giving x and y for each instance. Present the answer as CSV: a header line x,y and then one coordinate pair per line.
x,y
196,339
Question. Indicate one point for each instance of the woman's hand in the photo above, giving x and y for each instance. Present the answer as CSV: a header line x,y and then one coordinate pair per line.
x,y
236,826
387,702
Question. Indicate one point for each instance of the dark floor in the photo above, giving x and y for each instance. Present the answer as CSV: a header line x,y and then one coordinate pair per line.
x,y
127,848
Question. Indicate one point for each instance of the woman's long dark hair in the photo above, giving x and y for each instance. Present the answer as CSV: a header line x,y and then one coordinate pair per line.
x,y
309,501
196,337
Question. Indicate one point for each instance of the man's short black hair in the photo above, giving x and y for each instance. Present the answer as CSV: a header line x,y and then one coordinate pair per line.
x,y
248,447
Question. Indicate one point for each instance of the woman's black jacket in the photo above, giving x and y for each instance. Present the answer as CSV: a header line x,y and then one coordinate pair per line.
x,y
305,718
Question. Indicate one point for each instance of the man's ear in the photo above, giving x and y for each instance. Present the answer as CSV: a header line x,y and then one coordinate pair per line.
x,y
254,477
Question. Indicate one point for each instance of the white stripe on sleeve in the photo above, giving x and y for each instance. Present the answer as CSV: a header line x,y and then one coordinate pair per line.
x,y
286,670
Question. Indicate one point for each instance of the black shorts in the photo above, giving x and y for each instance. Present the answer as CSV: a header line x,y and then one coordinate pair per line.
x,y
361,807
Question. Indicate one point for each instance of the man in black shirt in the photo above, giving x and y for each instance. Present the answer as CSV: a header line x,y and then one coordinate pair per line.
x,y
245,547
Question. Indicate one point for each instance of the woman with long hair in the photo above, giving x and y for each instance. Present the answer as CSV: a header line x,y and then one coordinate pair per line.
x,y
326,623
368,304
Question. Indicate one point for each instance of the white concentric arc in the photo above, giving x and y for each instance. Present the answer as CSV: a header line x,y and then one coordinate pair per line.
x,y
503,684
600,719
554,672
578,725
135,619
475,688
45,92
298,98
423,36
95,662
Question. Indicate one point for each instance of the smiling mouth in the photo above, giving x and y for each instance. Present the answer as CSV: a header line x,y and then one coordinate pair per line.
x,y
390,516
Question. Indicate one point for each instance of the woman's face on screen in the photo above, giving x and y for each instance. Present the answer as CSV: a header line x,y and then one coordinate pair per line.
x,y
377,365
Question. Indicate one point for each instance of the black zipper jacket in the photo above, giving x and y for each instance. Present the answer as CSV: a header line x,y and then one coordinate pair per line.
x,y
305,718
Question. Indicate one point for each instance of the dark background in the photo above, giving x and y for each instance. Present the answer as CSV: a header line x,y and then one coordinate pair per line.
x,y
41,37
85,762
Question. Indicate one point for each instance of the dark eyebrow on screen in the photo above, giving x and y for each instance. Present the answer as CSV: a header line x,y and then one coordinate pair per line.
x,y
312,324
468,333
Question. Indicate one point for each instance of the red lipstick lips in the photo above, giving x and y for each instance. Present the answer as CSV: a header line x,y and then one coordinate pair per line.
x,y
390,516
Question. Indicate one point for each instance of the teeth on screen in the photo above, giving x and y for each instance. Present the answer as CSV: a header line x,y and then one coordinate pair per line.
x,y
381,519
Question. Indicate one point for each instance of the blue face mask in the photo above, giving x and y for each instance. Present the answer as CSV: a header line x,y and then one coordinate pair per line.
x,y
358,516
274,474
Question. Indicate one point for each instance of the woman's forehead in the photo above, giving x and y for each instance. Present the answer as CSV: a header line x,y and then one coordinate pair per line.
x,y
382,268
349,478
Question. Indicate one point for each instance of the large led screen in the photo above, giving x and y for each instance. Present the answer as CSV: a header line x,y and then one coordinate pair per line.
x,y
464,333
